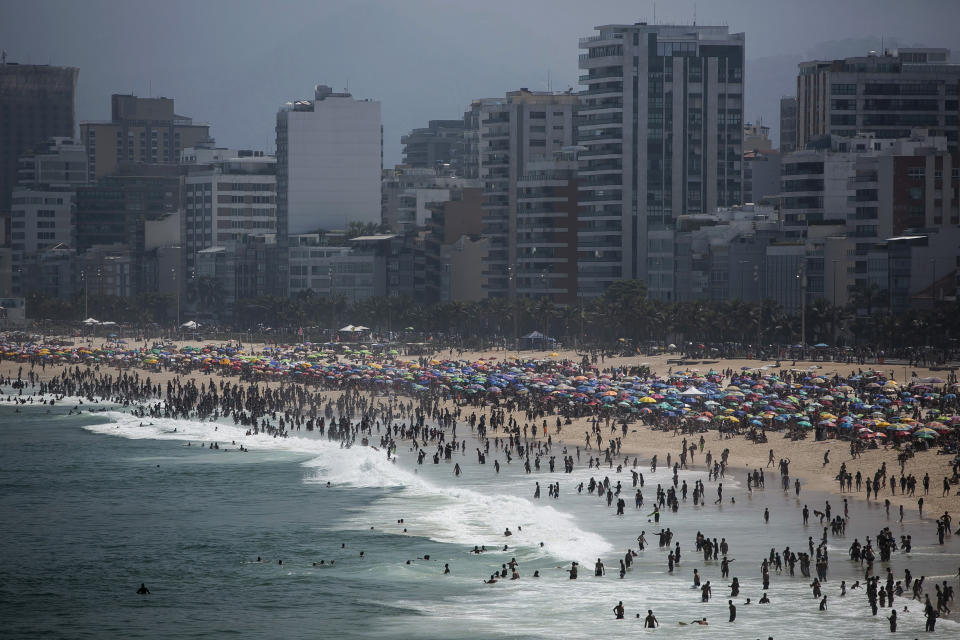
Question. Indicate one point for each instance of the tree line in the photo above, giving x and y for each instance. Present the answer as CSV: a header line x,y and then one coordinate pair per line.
x,y
623,314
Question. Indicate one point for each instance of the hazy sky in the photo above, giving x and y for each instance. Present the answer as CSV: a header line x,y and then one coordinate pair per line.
x,y
232,63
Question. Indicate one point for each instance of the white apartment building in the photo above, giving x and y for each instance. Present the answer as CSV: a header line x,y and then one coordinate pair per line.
x,y
329,162
228,196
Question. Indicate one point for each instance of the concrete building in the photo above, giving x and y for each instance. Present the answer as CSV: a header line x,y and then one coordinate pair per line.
x,y
916,270
329,162
43,208
333,271
57,161
873,189
661,118
37,102
116,212
228,195
398,181
886,94
756,137
455,248
761,175
140,131
439,144
248,270
524,126
788,124
41,218
407,194
546,237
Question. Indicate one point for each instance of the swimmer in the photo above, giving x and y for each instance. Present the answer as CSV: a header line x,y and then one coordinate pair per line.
x,y
142,591
618,610
650,621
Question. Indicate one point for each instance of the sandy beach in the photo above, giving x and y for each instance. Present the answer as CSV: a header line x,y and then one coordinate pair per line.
x,y
806,456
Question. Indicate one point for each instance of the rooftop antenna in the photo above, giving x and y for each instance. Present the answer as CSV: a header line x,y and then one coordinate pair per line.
x,y
694,14
654,11
549,85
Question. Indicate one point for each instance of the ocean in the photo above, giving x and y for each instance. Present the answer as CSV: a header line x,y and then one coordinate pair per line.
x,y
93,505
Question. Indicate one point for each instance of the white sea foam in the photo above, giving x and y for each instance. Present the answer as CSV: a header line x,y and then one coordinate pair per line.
x,y
446,514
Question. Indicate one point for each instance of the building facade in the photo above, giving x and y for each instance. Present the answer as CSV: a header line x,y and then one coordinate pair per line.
x,y
661,118
439,144
140,131
886,95
788,124
37,102
547,217
522,127
227,199
329,163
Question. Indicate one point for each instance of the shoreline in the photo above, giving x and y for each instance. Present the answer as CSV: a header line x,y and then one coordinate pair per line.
x,y
644,441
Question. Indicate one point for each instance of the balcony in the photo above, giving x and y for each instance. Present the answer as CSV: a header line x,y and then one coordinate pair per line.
x,y
612,118
605,75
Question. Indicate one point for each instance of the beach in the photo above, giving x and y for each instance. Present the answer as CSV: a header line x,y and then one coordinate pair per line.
x,y
806,456
330,490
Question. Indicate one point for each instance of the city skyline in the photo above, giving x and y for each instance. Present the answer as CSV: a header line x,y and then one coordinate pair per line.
x,y
209,71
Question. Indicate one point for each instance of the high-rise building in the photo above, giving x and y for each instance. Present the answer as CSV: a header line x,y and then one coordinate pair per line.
x,y
661,119
440,143
140,131
37,102
455,248
547,210
329,162
118,211
788,124
43,205
228,196
761,175
524,126
886,94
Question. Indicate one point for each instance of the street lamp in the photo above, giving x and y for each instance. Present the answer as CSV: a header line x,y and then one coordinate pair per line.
x,y
802,275
173,270
86,299
511,291
933,279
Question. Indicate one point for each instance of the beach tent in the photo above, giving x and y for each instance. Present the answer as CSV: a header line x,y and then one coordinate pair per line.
x,y
692,391
536,340
91,321
192,324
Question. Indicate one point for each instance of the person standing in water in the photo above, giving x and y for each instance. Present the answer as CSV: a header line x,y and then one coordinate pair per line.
x,y
618,610
650,622
142,591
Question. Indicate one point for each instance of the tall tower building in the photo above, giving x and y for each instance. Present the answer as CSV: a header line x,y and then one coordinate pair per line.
x,y
140,131
37,102
329,162
522,127
886,95
661,119
788,124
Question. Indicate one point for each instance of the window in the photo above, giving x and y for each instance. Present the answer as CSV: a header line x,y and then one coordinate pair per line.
x,y
843,89
915,173
538,115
